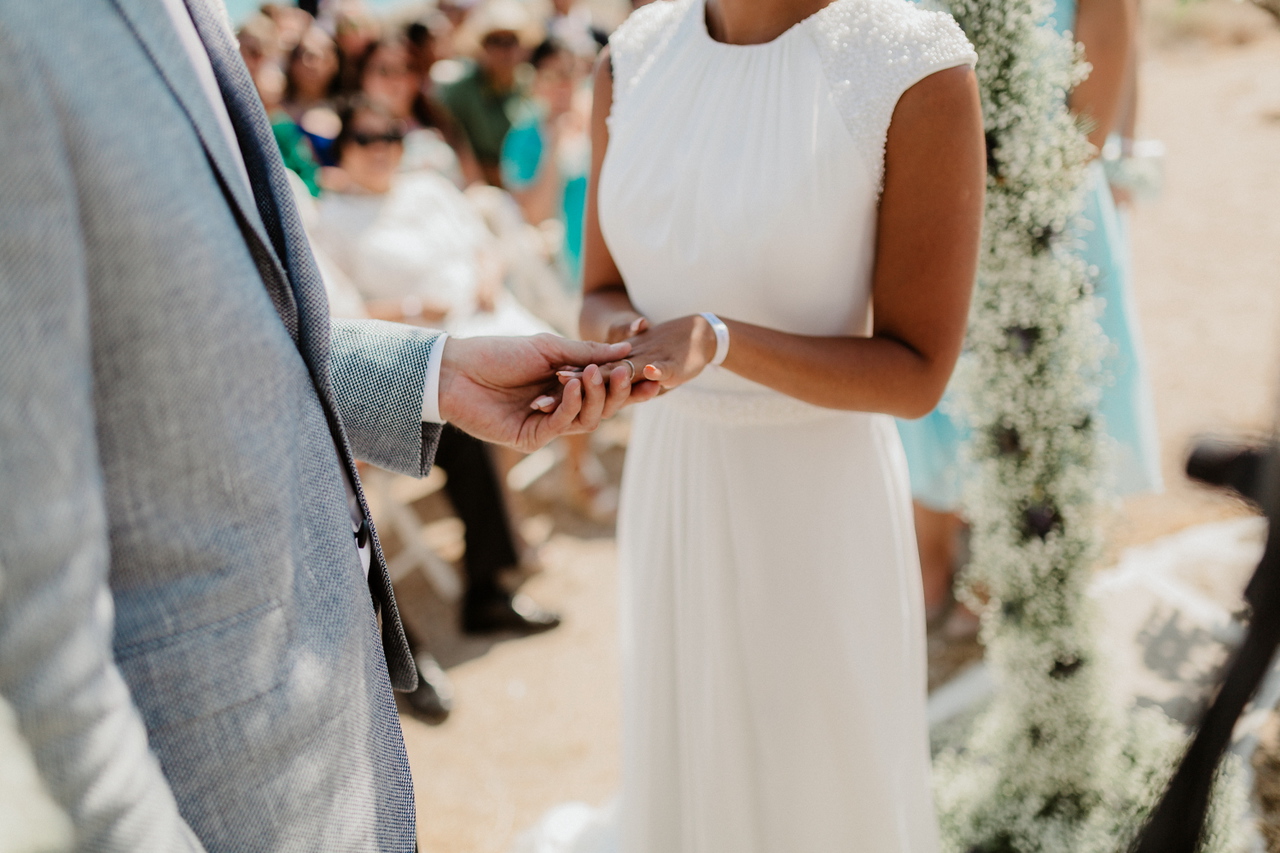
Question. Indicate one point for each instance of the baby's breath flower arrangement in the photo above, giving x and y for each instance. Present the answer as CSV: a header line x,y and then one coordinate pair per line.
x,y
1052,766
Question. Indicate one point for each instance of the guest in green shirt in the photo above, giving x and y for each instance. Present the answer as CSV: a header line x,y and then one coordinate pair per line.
x,y
489,97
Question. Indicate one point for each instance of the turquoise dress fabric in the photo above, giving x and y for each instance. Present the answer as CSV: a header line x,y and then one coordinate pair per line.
x,y
522,153
933,442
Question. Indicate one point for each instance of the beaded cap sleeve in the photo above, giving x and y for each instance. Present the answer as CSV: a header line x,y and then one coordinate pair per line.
x,y
637,43
874,50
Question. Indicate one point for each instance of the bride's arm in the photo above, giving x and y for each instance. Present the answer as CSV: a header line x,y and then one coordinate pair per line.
x,y
927,239
607,312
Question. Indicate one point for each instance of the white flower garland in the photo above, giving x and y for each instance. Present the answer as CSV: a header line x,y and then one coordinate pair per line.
x,y
1052,766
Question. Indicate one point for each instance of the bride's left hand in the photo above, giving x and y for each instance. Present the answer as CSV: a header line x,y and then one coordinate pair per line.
x,y
673,352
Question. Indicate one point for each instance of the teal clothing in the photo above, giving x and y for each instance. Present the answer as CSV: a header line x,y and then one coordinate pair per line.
x,y
1063,16
522,156
933,442
295,150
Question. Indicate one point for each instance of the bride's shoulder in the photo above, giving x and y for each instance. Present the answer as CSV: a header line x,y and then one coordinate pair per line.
x,y
635,45
872,51
646,29
893,38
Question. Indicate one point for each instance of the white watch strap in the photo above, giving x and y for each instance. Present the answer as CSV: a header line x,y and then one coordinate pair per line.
x,y
722,337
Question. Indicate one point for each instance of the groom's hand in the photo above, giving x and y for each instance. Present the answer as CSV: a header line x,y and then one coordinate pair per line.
x,y
504,390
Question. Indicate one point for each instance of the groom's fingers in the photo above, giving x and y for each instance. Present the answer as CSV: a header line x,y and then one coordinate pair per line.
x,y
593,399
561,419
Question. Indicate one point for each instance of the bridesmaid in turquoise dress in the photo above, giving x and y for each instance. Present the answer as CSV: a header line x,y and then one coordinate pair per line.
x,y
933,442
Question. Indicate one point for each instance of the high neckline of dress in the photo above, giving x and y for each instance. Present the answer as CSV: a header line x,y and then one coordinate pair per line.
x,y
705,32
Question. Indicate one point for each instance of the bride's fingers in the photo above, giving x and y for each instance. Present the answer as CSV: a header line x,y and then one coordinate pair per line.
x,y
642,392
623,330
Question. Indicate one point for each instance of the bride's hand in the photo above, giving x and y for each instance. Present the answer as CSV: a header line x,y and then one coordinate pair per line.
x,y
673,352
624,325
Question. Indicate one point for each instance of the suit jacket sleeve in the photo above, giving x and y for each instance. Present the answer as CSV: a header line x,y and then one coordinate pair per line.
x,y
379,370
56,665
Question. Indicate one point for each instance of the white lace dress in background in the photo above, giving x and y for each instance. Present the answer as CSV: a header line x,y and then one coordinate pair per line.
x,y
773,630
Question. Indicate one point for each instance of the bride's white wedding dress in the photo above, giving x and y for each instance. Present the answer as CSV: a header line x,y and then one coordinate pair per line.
x,y
772,616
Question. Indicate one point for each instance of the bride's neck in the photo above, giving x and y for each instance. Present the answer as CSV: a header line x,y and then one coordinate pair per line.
x,y
756,21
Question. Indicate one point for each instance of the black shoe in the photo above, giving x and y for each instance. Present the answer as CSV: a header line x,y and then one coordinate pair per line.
x,y
492,614
433,700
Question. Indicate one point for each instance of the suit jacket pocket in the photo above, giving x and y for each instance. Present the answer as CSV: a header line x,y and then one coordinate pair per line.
x,y
205,670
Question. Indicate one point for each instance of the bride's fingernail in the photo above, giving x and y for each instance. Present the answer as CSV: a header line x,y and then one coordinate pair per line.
x,y
542,402
652,372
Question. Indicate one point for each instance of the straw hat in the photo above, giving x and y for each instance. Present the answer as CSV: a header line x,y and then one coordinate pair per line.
x,y
501,16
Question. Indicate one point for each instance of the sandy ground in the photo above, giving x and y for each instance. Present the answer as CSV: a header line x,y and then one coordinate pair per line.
x,y
537,719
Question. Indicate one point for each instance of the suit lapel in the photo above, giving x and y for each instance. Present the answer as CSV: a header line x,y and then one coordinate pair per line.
x,y
150,24
298,295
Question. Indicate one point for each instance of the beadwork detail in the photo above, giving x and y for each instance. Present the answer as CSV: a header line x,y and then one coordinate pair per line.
x,y
638,42
873,51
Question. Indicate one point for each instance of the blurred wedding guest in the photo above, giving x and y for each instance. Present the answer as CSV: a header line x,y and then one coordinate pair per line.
x,y
489,95
291,22
389,76
546,155
311,83
572,24
354,30
259,41
259,46
430,40
311,73
417,252
456,10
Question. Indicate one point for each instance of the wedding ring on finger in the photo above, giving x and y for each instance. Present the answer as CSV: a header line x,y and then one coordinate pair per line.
x,y
631,365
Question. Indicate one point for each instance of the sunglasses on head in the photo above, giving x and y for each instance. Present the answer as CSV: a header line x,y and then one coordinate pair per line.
x,y
391,137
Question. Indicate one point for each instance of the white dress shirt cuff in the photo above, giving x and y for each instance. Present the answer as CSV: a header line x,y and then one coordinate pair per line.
x,y
431,386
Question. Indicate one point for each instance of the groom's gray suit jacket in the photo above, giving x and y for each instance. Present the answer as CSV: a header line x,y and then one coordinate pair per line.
x,y
182,591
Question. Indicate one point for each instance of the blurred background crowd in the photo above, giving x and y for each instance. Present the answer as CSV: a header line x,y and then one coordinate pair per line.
x,y
439,154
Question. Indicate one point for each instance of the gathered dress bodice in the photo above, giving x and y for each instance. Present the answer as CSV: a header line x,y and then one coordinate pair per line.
x,y
745,179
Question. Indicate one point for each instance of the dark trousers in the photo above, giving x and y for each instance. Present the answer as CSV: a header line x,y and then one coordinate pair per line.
x,y
476,493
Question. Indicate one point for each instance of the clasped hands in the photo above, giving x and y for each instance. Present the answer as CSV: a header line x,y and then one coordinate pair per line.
x,y
523,392
662,356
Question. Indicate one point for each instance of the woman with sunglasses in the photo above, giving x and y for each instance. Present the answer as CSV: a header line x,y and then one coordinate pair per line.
x,y
390,77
